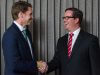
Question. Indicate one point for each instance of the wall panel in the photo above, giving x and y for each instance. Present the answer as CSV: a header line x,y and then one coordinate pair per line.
x,y
48,26
3,27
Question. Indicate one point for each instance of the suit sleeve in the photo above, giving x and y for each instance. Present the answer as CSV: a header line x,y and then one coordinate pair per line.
x,y
94,53
12,56
55,62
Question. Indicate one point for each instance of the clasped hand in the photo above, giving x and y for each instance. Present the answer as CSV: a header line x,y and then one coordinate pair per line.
x,y
42,66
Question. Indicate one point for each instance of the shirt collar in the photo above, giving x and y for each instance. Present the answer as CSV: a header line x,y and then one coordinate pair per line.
x,y
76,32
21,28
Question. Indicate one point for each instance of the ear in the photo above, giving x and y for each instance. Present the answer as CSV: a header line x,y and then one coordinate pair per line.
x,y
76,20
20,15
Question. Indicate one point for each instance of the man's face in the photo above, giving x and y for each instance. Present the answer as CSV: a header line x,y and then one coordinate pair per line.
x,y
69,21
27,16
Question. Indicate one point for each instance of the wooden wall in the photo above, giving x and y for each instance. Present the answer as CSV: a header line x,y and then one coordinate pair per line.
x,y
48,25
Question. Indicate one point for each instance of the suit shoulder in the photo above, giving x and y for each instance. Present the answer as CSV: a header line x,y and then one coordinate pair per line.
x,y
88,36
10,33
63,37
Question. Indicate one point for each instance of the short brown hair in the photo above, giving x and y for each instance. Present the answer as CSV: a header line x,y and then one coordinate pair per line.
x,y
20,6
76,13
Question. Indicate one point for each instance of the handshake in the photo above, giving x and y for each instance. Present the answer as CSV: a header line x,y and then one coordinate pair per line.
x,y
42,66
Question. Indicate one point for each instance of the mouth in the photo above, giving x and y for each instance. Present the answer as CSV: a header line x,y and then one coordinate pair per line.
x,y
66,24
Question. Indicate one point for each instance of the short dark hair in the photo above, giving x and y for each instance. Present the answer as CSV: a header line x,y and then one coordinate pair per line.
x,y
20,6
76,13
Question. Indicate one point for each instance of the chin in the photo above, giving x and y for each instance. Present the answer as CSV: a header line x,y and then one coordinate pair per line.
x,y
66,28
28,23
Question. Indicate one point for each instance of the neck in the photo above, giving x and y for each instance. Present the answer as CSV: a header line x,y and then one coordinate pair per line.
x,y
74,29
20,23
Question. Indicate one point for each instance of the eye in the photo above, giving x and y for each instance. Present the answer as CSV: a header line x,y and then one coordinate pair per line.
x,y
67,17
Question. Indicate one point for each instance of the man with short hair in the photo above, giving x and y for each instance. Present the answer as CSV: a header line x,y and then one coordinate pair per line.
x,y
17,42
77,52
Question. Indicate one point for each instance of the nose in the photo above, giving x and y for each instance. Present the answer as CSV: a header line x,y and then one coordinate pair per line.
x,y
65,20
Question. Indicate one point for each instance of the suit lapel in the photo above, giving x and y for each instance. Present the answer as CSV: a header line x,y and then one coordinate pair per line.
x,y
65,42
29,36
65,50
18,31
21,37
77,43
20,34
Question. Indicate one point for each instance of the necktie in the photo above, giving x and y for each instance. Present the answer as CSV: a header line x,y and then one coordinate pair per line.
x,y
25,34
27,39
69,45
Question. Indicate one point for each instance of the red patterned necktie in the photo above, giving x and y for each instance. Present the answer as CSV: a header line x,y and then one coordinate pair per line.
x,y
69,45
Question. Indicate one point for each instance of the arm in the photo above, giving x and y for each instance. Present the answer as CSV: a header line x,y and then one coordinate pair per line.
x,y
55,62
94,53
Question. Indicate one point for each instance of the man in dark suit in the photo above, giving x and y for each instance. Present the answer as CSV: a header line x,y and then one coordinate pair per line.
x,y
78,52
17,42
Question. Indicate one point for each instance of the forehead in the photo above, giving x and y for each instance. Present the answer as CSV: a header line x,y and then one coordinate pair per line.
x,y
68,13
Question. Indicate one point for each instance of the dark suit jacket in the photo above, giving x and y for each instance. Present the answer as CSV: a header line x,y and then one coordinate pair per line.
x,y
85,57
17,55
